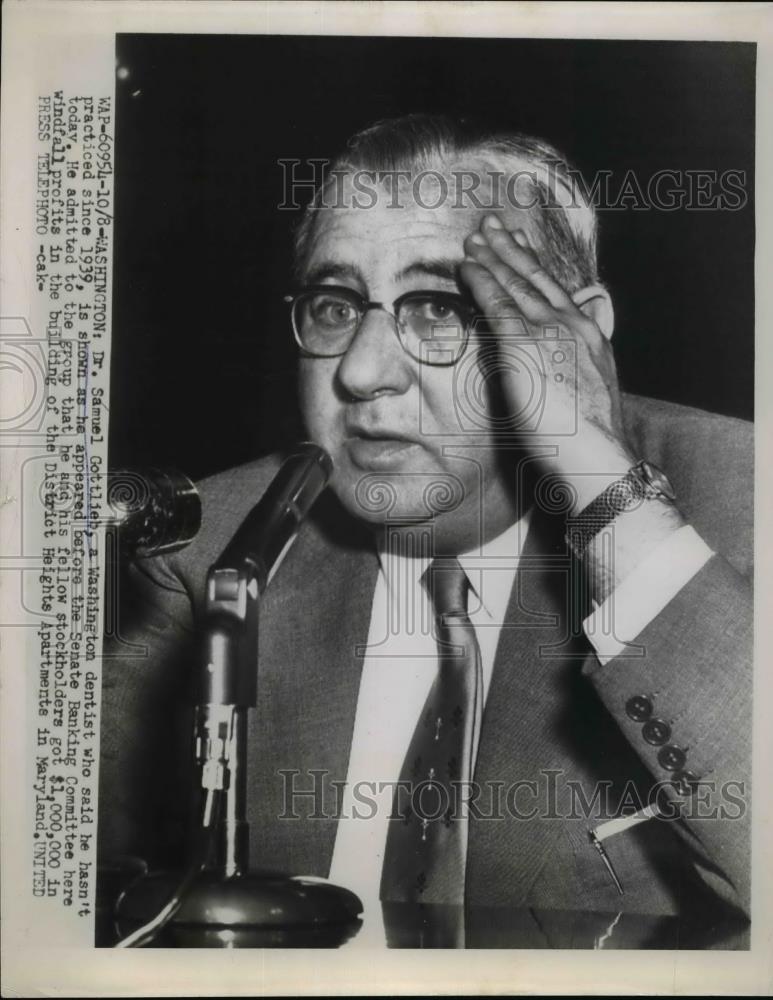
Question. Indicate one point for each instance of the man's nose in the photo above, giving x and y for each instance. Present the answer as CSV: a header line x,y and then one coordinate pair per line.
x,y
375,362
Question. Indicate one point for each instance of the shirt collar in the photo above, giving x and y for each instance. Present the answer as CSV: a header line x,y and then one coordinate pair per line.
x,y
500,555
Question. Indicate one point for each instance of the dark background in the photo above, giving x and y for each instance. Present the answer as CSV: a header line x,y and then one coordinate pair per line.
x,y
203,359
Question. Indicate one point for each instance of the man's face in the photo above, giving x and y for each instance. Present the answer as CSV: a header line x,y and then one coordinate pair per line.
x,y
399,441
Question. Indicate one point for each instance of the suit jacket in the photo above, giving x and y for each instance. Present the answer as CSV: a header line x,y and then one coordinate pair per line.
x,y
553,716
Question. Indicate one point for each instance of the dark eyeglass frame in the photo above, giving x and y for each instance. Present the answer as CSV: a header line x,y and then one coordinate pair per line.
x,y
463,306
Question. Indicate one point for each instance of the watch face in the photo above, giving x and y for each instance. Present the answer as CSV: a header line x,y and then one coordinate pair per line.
x,y
657,480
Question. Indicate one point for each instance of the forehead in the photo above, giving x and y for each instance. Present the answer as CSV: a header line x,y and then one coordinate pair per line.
x,y
380,231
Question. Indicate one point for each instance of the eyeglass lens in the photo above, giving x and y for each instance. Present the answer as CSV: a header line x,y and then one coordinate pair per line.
x,y
431,325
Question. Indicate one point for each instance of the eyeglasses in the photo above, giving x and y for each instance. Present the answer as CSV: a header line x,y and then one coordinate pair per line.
x,y
432,327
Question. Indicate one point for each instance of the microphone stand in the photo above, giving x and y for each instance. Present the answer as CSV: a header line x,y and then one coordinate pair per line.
x,y
220,901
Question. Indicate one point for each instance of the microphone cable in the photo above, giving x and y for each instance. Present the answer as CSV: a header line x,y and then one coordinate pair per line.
x,y
147,932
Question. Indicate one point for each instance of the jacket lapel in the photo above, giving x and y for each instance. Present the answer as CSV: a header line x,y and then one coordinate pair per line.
x,y
308,683
522,725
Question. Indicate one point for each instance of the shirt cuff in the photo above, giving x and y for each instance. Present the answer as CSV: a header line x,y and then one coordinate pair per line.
x,y
643,594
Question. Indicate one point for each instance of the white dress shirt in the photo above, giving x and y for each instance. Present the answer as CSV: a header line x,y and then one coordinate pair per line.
x,y
401,664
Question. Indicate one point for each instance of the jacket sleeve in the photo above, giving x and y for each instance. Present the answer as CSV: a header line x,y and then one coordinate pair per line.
x,y
681,694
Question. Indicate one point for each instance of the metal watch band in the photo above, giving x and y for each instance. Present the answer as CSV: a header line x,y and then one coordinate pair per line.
x,y
642,482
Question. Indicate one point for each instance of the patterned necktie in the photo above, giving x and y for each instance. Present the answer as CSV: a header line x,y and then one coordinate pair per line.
x,y
426,847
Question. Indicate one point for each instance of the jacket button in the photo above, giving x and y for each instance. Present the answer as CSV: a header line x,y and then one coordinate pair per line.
x,y
638,708
684,782
672,758
656,731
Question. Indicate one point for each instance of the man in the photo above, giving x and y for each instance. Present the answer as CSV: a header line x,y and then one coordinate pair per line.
x,y
505,663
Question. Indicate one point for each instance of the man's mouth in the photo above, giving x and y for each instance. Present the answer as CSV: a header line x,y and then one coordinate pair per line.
x,y
378,449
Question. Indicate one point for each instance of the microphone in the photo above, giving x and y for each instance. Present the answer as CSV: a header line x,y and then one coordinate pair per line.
x,y
219,897
235,584
264,537
155,511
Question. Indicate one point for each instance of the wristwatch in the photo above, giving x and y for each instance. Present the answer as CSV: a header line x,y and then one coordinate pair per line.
x,y
643,482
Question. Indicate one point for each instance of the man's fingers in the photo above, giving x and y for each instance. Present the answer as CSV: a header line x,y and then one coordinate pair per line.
x,y
527,299
495,301
518,255
540,297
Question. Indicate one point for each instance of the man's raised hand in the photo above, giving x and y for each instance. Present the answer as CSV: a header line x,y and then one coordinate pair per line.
x,y
521,300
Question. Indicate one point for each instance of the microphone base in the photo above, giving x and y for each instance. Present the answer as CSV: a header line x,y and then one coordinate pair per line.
x,y
250,910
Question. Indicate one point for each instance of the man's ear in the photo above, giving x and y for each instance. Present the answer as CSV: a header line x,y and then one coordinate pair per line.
x,y
596,303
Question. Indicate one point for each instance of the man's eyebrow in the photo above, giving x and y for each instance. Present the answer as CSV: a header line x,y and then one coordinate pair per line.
x,y
332,269
446,268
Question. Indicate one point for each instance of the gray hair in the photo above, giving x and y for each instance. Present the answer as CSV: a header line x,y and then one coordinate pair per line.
x,y
565,218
